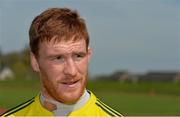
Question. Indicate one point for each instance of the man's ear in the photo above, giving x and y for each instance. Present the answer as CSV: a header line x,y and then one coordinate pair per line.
x,y
89,53
34,62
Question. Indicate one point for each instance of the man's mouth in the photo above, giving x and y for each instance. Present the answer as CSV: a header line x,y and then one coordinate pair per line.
x,y
71,83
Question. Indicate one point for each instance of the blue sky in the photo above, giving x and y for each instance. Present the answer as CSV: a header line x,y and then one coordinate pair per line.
x,y
133,35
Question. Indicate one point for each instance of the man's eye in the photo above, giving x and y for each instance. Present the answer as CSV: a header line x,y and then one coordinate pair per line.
x,y
78,57
59,58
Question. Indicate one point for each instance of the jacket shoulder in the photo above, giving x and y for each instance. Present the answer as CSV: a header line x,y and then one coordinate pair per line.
x,y
106,109
19,108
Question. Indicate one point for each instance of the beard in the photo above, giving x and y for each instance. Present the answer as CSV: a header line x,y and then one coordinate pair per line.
x,y
51,91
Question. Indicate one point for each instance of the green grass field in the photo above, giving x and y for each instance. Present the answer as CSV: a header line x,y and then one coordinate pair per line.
x,y
146,99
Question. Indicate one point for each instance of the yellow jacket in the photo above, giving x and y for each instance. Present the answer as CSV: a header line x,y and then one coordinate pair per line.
x,y
33,107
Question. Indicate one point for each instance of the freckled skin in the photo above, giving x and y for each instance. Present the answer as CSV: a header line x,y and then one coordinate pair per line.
x,y
63,69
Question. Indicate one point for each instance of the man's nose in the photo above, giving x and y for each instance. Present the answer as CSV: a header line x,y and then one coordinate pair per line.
x,y
70,68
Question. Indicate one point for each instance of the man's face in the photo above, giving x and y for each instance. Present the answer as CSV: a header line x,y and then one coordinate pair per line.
x,y
63,69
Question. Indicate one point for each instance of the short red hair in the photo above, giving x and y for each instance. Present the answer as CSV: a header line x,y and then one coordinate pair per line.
x,y
57,24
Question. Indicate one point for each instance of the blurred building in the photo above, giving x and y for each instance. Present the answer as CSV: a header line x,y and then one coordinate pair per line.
x,y
164,76
155,76
6,73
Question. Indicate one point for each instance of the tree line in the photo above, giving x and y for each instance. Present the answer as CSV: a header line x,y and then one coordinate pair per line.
x,y
18,62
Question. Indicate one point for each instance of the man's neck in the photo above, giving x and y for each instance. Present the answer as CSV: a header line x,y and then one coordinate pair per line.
x,y
61,109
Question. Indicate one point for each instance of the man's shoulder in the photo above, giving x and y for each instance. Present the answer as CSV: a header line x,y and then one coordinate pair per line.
x,y
21,108
106,109
101,108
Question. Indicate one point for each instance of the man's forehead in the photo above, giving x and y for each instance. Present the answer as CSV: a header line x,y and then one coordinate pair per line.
x,y
64,44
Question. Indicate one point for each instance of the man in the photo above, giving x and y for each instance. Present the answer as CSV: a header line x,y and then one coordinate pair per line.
x,y
60,53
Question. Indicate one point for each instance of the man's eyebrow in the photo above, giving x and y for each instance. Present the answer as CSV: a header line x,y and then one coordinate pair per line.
x,y
54,55
80,52
64,53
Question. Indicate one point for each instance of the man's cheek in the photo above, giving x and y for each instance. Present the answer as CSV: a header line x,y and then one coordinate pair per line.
x,y
82,67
